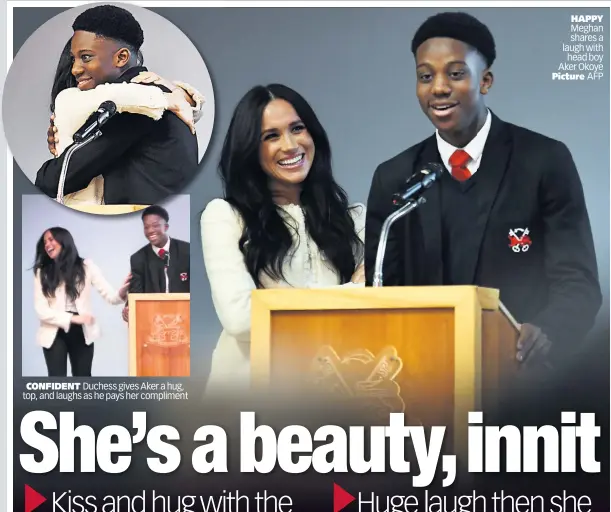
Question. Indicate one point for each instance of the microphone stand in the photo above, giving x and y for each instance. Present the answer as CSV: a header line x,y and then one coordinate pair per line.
x,y
69,152
408,207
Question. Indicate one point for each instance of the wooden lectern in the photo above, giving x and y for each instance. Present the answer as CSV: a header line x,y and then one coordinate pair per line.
x,y
434,353
159,334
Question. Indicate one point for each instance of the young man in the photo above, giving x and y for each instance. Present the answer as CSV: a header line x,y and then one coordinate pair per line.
x,y
142,160
162,265
509,213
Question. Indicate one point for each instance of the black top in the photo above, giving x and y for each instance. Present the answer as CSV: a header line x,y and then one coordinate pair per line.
x,y
459,213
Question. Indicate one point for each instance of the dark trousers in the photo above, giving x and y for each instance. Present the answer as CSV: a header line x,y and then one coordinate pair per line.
x,y
69,345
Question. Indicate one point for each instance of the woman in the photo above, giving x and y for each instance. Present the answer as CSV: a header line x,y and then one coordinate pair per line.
x,y
284,221
62,299
72,107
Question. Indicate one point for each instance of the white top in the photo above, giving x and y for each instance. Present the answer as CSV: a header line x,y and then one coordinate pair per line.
x,y
70,305
475,148
166,248
231,284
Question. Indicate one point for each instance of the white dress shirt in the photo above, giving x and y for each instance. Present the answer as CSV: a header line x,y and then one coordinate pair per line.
x,y
166,248
475,148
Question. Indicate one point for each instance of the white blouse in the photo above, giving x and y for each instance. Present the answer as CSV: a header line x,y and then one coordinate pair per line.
x,y
231,284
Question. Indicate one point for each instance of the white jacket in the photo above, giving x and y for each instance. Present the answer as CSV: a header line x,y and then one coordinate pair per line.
x,y
52,311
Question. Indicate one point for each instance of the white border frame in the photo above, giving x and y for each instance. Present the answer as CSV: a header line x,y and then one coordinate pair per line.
x,y
11,4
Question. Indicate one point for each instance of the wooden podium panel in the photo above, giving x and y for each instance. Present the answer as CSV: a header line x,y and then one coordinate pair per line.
x,y
347,331
107,209
159,334
434,353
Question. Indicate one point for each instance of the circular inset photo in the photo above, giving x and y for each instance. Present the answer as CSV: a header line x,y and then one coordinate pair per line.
x,y
108,108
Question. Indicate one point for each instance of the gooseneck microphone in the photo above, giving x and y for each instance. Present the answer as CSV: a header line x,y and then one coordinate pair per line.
x,y
96,120
419,182
83,136
409,198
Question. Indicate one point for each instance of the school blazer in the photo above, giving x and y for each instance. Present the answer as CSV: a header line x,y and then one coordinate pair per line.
x,y
529,181
52,311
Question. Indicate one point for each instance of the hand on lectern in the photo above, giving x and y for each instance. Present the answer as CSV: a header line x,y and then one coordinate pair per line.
x,y
533,344
125,314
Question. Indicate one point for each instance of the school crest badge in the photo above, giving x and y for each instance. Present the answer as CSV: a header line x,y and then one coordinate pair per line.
x,y
519,239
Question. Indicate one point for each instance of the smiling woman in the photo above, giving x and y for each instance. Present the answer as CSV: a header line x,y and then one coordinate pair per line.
x,y
62,299
284,221
287,150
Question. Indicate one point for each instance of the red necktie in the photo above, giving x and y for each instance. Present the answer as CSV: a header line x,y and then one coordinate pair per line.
x,y
458,161
161,253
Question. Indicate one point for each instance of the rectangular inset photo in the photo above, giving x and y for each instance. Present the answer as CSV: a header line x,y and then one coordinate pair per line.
x,y
105,295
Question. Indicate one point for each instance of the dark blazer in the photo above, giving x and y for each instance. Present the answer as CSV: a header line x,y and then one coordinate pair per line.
x,y
147,269
527,181
143,161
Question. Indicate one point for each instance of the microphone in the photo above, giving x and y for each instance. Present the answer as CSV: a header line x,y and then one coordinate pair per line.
x,y
166,259
96,120
416,183
419,181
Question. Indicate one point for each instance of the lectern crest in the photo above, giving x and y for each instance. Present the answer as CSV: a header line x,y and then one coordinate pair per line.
x,y
360,375
168,331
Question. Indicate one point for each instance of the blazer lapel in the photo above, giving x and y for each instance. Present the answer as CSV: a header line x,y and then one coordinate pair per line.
x,y
174,259
430,218
494,165
157,273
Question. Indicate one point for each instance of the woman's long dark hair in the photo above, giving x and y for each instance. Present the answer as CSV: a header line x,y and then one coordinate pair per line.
x,y
266,239
63,74
67,268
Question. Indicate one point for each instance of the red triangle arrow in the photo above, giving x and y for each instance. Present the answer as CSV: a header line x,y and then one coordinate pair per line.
x,y
33,499
341,498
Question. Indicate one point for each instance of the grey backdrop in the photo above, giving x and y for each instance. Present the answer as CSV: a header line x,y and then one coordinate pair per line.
x,y
356,69
108,242
167,51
